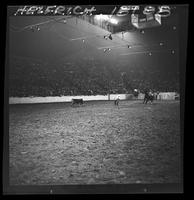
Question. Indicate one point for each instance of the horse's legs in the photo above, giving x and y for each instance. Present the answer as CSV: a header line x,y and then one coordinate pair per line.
x,y
144,100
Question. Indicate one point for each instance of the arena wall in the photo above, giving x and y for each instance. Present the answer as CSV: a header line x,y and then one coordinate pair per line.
x,y
162,96
51,99
26,100
167,95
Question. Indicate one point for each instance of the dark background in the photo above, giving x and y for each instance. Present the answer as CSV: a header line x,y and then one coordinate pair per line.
x,y
47,63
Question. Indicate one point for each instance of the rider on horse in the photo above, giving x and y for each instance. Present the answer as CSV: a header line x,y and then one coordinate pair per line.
x,y
149,96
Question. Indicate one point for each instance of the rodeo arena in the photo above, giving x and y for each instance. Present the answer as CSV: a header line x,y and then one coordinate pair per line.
x,y
94,99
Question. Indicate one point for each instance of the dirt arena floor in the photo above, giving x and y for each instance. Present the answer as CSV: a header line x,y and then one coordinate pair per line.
x,y
97,143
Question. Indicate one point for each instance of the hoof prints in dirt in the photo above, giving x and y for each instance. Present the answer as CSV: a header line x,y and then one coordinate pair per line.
x,y
98,144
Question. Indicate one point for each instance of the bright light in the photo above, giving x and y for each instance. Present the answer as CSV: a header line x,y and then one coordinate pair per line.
x,y
102,17
113,21
106,18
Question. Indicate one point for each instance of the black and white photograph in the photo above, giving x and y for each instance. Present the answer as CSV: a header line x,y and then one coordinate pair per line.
x,y
95,95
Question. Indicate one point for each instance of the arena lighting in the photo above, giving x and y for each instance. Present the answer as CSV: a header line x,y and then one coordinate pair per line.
x,y
102,17
108,36
31,28
106,18
106,49
113,21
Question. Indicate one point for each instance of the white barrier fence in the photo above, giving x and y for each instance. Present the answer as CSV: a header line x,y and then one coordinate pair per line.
x,y
167,96
51,99
162,96
25,100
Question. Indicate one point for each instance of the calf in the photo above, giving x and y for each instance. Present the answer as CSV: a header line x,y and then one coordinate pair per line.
x,y
77,101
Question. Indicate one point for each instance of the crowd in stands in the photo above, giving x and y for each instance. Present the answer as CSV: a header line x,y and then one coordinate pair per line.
x,y
37,80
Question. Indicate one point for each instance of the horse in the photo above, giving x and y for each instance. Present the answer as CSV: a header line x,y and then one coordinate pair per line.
x,y
77,101
149,96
